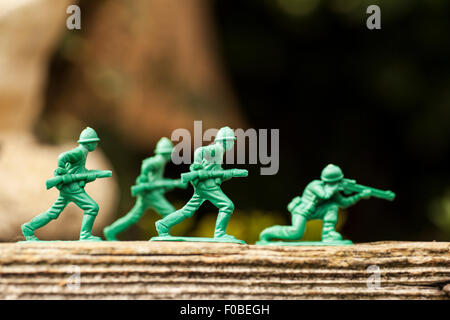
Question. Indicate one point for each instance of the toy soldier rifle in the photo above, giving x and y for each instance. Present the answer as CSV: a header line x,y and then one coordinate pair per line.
x,y
349,186
160,184
205,174
69,178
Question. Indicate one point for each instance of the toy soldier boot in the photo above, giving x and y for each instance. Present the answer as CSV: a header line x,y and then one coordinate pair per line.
x,y
125,222
292,232
221,226
163,226
274,232
329,234
35,223
110,233
86,229
28,233
282,232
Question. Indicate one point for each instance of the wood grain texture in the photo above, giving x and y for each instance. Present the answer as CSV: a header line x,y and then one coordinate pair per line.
x,y
163,270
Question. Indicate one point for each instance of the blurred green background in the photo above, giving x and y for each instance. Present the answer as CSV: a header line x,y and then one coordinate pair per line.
x,y
375,102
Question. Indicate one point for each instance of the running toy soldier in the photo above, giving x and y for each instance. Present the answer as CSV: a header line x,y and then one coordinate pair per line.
x,y
149,189
70,178
206,175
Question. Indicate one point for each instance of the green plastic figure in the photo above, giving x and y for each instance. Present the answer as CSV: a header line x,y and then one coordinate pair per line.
x,y
149,190
321,200
70,178
206,175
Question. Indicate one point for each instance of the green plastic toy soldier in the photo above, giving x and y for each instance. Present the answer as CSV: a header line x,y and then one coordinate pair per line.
x,y
321,200
206,175
149,190
70,178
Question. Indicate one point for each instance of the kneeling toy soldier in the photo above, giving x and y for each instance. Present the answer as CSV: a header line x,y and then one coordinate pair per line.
x,y
321,200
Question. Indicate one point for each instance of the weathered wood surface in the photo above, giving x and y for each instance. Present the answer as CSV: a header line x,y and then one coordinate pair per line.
x,y
149,270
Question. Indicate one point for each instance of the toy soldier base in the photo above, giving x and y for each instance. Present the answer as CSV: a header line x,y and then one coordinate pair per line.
x,y
198,239
70,178
217,198
305,243
149,190
321,200
206,175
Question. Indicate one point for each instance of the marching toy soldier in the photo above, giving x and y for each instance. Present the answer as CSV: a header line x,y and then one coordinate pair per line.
x,y
149,190
206,175
70,178
321,200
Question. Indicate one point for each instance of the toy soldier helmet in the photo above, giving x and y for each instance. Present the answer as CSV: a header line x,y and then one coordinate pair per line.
x,y
225,133
332,173
88,135
164,145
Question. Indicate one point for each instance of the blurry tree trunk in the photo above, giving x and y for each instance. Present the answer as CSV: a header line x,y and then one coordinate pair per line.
x,y
144,67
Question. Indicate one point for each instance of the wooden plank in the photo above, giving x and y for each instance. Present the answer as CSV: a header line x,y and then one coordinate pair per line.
x,y
166,270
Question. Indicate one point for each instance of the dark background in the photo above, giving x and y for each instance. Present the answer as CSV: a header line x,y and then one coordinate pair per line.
x,y
374,102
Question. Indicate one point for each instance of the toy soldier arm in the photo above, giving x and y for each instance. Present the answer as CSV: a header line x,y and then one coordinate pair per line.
x,y
150,165
170,184
69,178
233,173
198,157
92,175
199,164
199,174
349,186
209,156
205,174
71,156
195,166
179,184
227,175
294,204
346,202
316,187
167,184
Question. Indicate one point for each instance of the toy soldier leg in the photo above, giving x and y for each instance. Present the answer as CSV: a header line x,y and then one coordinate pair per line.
x,y
226,208
160,204
44,218
90,208
163,226
292,232
329,222
128,220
